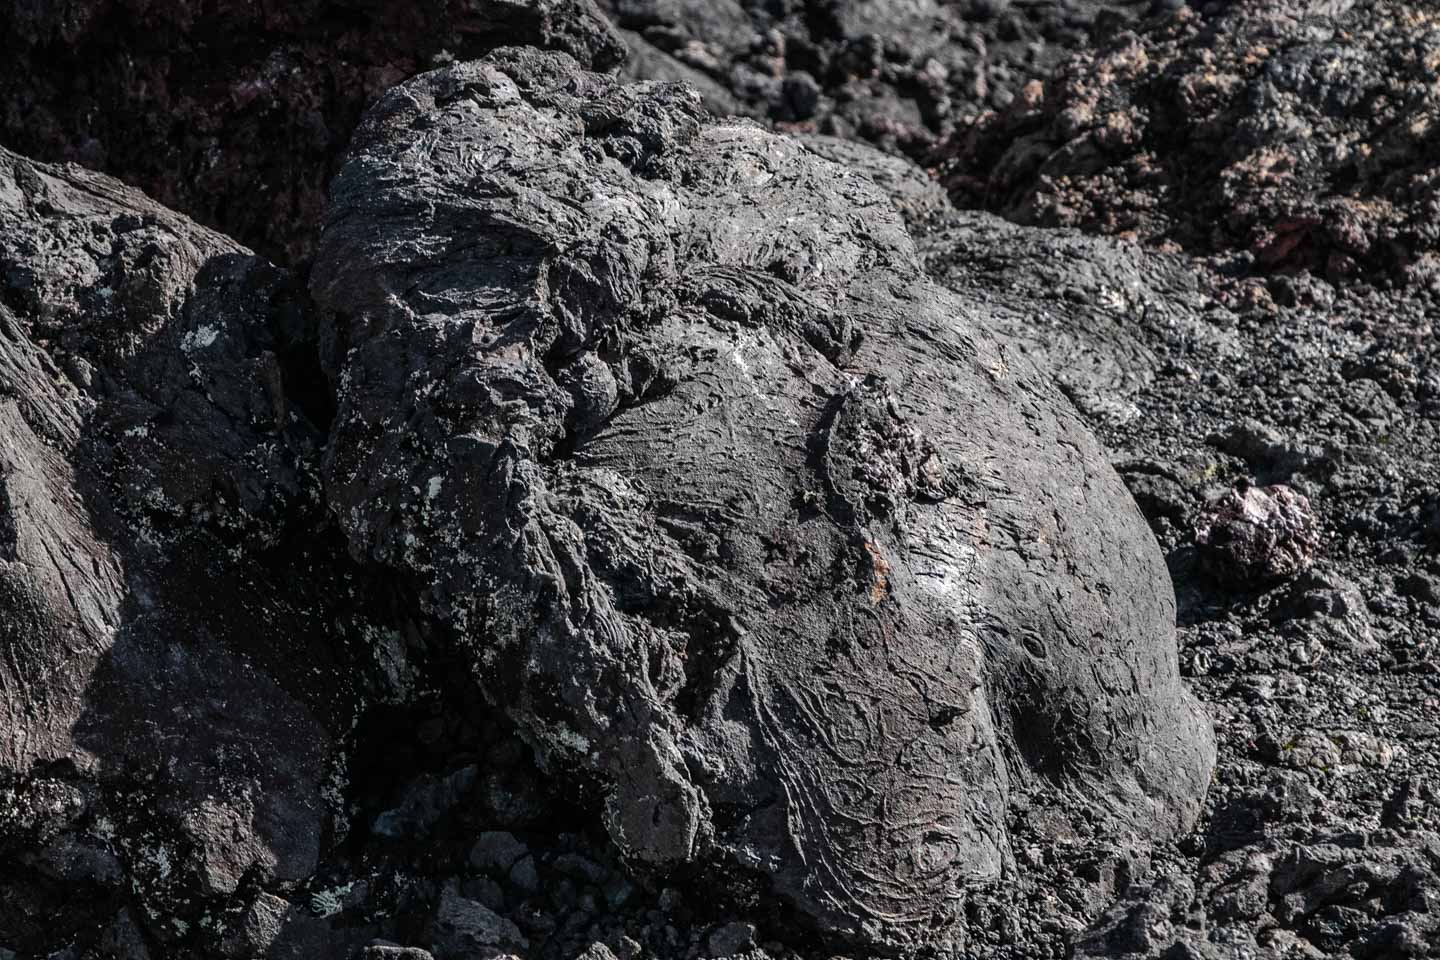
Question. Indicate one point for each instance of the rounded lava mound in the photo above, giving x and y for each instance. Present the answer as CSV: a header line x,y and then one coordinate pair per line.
x,y
738,514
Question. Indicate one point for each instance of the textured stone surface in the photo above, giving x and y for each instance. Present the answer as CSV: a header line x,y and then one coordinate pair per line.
x,y
148,443
898,73
143,824
235,113
1258,535
1296,135
737,511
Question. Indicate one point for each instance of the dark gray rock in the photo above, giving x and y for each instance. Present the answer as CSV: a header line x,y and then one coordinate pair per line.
x,y
899,73
648,63
496,852
154,470
465,929
257,928
1083,311
1296,133
729,505
596,951
1424,587
915,194
235,113
393,951
731,939
425,802
1267,452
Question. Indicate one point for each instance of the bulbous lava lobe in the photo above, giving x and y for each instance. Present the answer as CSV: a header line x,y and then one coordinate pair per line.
x,y
739,514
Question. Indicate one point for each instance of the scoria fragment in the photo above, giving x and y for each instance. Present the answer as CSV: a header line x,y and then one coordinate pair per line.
x,y
1258,535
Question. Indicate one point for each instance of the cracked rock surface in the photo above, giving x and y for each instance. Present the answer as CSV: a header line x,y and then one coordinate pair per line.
x,y
649,429
741,516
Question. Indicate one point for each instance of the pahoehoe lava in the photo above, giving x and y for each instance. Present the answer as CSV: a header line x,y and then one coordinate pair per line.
x,y
499,495
735,507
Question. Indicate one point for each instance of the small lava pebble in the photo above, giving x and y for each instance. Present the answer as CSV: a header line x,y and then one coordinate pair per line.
x,y
1258,535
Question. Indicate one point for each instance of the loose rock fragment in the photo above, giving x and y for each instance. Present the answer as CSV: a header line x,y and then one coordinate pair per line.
x,y
466,929
1258,535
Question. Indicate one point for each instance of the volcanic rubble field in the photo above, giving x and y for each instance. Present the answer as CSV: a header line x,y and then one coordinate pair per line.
x,y
719,478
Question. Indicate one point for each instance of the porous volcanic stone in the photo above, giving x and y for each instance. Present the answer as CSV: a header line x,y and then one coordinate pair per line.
x,y
1290,135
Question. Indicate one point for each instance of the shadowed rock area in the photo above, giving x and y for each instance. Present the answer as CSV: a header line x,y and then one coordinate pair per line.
x,y
163,566
236,113
898,73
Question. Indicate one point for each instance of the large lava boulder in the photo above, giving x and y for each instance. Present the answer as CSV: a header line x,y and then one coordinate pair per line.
x,y
738,515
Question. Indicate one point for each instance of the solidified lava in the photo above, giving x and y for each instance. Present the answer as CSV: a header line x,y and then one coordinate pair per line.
x,y
480,505
736,508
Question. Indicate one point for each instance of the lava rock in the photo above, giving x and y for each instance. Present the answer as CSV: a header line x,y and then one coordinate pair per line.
x,y
1424,587
1083,311
1258,536
899,73
495,853
425,803
596,951
236,114
816,522
155,475
1266,450
257,928
393,951
1293,134
464,929
912,190
731,940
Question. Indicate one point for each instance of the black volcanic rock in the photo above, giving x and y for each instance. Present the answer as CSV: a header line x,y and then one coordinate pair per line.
x,y
157,489
237,723
1298,136
190,646
235,113
1258,536
736,514
898,73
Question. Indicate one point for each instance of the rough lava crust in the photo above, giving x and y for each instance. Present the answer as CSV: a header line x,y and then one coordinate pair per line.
x,y
741,517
